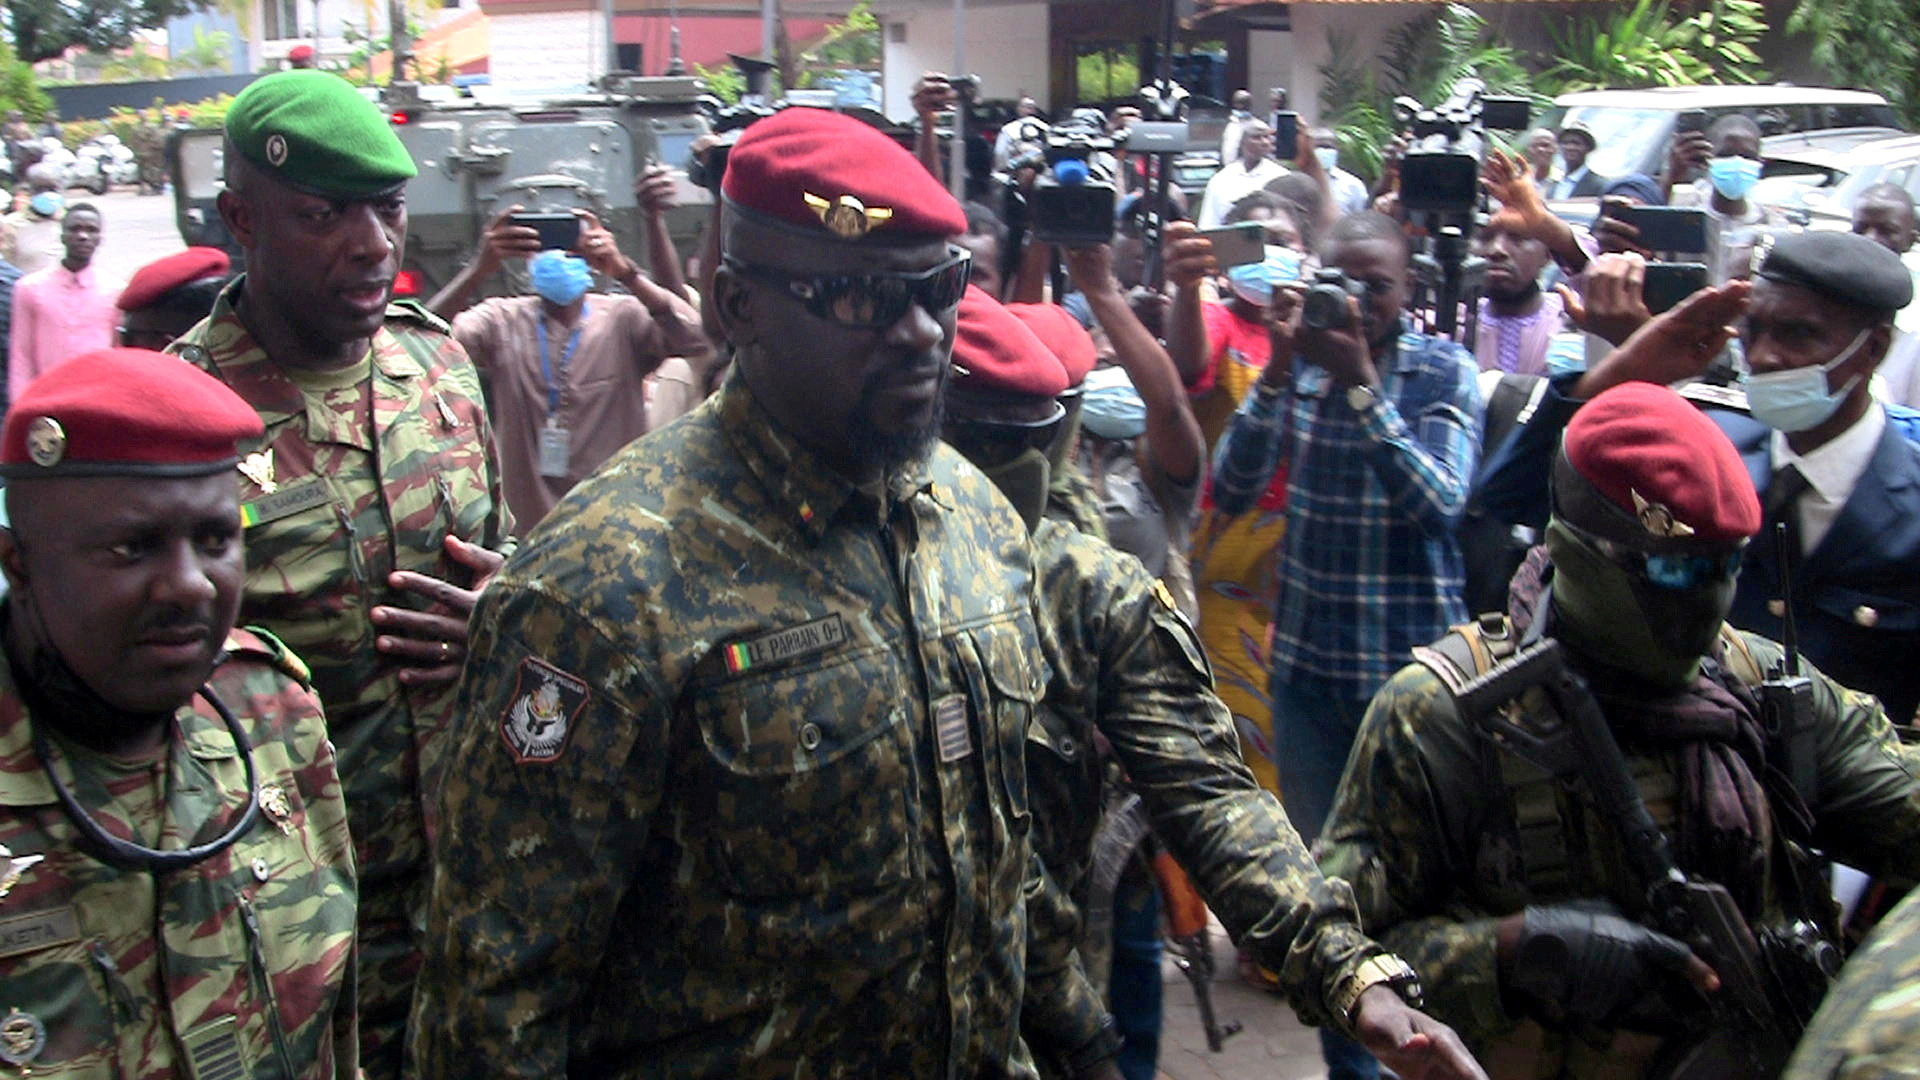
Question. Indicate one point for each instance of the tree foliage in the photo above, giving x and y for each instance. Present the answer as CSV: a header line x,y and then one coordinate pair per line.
x,y
1648,44
1872,44
18,88
44,29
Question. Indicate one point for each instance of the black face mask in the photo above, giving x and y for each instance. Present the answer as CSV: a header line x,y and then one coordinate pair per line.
x,y
1620,619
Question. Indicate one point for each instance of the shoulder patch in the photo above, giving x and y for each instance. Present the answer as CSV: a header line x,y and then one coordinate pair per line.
x,y
258,641
413,311
540,715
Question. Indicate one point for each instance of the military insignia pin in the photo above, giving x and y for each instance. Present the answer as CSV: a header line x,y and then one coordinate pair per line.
x,y
1657,519
545,701
22,1037
46,441
16,865
276,150
273,803
847,217
258,467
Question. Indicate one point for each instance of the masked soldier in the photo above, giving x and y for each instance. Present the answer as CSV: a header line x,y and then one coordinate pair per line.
x,y
373,509
1510,871
176,880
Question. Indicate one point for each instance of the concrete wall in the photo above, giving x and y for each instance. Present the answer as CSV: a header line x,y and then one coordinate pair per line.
x,y
544,50
1005,44
1367,25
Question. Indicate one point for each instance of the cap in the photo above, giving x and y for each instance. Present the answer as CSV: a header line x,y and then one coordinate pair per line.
x,y
995,353
839,177
1642,466
1063,335
124,412
300,52
314,131
1635,186
162,276
1841,266
1582,130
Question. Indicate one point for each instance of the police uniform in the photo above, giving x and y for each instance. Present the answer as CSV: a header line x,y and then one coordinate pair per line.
x,y
234,962
1443,833
334,505
738,787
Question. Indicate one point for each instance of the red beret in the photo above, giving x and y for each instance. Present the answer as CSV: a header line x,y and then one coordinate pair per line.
x,y
1061,333
162,276
300,52
994,352
832,173
124,412
1655,457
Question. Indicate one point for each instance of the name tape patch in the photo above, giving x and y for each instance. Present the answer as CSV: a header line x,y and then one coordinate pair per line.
x,y
808,637
38,930
283,503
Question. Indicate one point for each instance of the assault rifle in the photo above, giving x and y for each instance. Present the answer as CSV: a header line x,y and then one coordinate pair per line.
x,y
1754,1029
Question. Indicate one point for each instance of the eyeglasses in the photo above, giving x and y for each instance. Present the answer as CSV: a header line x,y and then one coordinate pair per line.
x,y
870,300
1670,571
992,443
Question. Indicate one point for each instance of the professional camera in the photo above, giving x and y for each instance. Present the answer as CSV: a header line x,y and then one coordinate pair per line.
x,y
1325,306
706,170
1441,171
1072,202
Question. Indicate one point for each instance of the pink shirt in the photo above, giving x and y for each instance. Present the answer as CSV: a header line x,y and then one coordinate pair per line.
x,y
58,314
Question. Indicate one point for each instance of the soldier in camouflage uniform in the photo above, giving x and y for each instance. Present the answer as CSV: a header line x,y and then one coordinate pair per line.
x,y
176,879
1868,1028
1126,670
373,507
1499,879
148,141
739,787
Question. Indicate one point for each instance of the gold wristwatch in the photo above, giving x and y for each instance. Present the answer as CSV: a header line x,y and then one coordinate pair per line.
x,y
1373,971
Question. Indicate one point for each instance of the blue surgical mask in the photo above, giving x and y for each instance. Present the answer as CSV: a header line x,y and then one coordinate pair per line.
x,y
1733,177
1797,399
1110,408
1329,157
1566,355
1254,282
558,277
47,203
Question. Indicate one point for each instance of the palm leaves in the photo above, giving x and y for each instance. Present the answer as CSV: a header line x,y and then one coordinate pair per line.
x,y
1644,45
1869,43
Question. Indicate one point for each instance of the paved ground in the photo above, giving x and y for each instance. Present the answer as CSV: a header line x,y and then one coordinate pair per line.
x,y
136,229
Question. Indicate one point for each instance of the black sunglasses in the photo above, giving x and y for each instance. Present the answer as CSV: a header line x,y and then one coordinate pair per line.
x,y
870,300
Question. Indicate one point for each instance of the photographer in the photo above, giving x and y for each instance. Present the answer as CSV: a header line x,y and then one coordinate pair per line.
x,y
1723,164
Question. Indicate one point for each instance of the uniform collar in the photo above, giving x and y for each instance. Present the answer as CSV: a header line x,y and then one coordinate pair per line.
x,y
810,493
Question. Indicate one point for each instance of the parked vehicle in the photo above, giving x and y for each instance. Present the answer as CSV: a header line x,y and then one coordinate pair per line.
x,y
1814,179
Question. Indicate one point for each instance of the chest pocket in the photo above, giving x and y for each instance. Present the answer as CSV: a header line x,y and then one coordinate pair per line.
x,y
60,971
1003,668
806,777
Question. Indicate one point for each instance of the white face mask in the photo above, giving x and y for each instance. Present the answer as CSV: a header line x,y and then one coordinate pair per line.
x,y
1797,399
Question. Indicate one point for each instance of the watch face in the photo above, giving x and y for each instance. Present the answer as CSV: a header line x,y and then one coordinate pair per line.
x,y
1360,398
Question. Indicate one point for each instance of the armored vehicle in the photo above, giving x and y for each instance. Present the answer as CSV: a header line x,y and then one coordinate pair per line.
x,y
479,155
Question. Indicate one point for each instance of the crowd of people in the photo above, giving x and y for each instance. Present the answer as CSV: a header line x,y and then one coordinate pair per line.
x,y
826,654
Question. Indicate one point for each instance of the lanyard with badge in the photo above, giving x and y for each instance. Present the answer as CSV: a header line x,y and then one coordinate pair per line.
x,y
555,440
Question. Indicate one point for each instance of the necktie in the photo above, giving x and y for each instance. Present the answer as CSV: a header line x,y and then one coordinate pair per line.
x,y
1783,504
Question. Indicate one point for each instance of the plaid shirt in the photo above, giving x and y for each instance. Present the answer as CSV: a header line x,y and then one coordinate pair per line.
x,y
1371,567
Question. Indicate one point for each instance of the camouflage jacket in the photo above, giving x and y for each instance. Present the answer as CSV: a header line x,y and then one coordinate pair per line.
x,y
1427,828
739,787
1125,667
240,965
1868,1028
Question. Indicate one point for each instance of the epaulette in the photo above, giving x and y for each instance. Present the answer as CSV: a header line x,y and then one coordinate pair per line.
x,y
259,642
408,309
1715,396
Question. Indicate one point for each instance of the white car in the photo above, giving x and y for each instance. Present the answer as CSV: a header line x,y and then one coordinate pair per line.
x,y
1814,178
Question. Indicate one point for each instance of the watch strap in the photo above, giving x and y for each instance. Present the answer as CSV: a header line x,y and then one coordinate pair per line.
x,y
1381,968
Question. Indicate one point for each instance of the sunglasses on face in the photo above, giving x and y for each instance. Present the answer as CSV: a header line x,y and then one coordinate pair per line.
x,y
1672,571
992,443
870,300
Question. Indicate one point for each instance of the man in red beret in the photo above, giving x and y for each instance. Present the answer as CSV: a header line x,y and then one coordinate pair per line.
x,y
1125,671
168,296
178,882
1488,865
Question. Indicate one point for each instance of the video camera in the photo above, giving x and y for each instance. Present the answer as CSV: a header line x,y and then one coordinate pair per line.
x,y
706,169
1441,171
1072,201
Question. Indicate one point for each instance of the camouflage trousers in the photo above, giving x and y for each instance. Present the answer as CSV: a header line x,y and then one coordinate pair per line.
x,y
391,910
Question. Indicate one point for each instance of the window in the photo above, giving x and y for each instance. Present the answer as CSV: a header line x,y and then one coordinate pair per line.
x,y
281,19
1103,72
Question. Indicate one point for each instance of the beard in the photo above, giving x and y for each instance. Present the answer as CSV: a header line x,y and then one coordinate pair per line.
x,y
888,450
1519,295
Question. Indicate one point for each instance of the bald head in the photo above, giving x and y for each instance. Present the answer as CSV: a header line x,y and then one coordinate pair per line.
x,y
1884,214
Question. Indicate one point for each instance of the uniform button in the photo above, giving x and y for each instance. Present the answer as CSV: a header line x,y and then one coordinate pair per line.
x,y
1068,747
192,354
260,870
810,736
1777,608
1866,616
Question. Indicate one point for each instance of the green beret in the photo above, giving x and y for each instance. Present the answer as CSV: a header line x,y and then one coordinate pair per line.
x,y
314,131
1841,266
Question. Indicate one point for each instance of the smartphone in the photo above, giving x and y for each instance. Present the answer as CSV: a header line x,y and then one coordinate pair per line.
x,y
1691,120
557,230
1663,228
1238,245
1668,283
1286,135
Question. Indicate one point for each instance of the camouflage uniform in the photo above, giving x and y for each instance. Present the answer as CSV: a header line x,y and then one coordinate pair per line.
x,y
739,788
1429,828
1868,1028
1127,668
347,508
1072,499
148,142
244,958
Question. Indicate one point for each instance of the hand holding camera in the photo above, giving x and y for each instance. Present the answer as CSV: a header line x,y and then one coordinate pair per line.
x,y
1332,333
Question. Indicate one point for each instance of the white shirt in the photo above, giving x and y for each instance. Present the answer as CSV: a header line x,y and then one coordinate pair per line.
x,y
1349,191
1231,184
1564,189
1832,471
1898,380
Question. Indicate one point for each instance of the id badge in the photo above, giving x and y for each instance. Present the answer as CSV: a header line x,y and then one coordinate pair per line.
x,y
554,441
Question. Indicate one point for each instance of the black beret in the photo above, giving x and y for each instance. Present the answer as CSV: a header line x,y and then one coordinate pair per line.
x,y
1841,266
